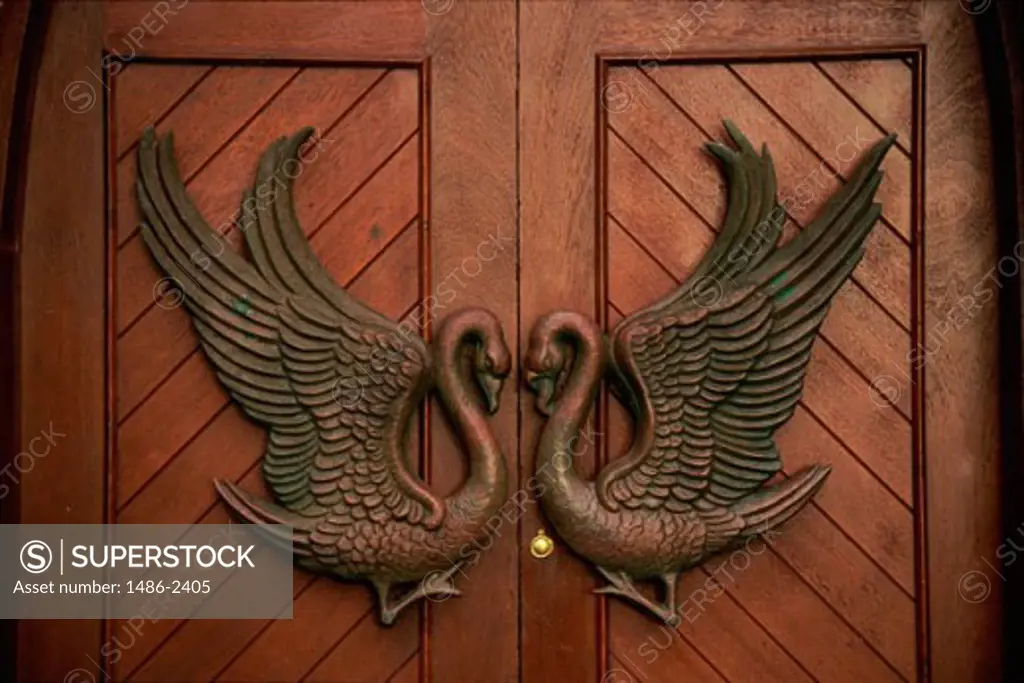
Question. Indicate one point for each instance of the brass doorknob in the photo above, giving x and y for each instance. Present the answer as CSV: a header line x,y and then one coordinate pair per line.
x,y
541,545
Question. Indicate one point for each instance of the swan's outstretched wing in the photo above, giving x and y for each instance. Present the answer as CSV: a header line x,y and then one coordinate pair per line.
x,y
718,366
333,381
753,225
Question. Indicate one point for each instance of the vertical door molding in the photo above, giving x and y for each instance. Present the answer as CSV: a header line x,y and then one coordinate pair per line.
x,y
559,256
962,271
63,311
473,227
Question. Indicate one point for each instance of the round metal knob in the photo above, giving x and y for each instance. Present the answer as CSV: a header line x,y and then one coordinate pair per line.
x,y
541,545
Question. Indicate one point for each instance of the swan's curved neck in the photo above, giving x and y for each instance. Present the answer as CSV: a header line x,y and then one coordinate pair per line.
x,y
486,487
564,429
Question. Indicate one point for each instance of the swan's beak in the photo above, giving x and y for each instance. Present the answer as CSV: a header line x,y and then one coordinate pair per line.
x,y
544,386
490,387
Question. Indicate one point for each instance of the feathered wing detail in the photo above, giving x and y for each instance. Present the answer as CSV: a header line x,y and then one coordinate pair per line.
x,y
686,364
332,381
717,371
279,246
752,228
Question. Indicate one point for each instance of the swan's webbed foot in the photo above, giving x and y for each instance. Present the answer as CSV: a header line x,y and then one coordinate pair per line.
x,y
621,584
670,598
437,586
385,612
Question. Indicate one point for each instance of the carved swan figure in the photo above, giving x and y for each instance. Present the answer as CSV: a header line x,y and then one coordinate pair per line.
x,y
335,383
710,372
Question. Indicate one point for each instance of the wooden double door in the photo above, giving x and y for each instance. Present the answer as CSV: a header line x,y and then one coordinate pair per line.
x,y
529,156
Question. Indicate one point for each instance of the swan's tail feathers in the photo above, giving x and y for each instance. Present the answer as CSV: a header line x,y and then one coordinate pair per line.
x,y
261,513
773,505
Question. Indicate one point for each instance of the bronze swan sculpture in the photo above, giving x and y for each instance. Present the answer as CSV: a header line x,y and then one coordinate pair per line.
x,y
335,383
709,372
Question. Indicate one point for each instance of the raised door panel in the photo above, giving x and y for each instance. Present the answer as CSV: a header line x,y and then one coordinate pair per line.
x,y
832,596
358,199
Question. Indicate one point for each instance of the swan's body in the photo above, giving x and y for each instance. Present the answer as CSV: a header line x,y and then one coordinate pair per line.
x,y
346,544
335,383
709,373
640,541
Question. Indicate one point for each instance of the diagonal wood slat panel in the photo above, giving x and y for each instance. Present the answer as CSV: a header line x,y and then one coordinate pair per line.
x,y
715,93
378,278
217,640
726,634
367,653
802,622
335,613
219,105
872,340
359,202
859,80
628,635
153,100
835,574
887,536
237,448
137,651
712,94
318,93
620,671
409,673
827,121
729,636
362,154
338,171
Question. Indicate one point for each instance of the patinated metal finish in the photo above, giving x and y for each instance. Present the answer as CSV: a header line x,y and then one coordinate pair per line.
x,y
710,372
335,383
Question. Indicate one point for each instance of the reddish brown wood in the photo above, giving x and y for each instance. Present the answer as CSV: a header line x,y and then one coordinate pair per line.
x,y
372,223
155,99
788,28
961,429
872,338
16,80
62,260
384,274
560,618
448,108
470,185
648,234
350,31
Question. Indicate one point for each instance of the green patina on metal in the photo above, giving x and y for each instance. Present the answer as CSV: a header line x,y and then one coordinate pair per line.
x,y
785,292
241,305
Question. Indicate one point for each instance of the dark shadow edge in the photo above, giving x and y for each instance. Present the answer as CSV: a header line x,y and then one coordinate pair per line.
x,y
1000,31
11,213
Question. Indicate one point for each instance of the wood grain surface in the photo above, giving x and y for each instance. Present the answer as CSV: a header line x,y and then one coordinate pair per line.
x,y
530,156
63,296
